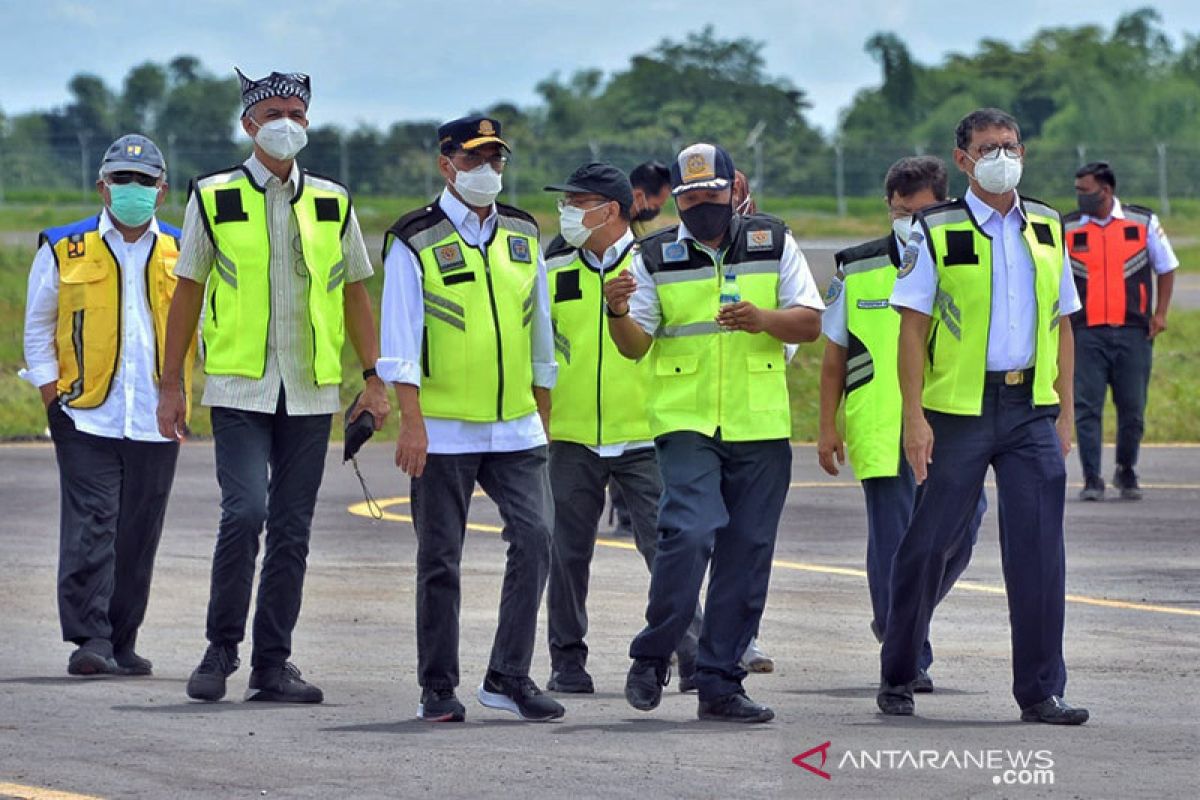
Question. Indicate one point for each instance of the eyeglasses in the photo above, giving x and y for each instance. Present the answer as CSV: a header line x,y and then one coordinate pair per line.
x,y
988,152
473,160
125,178
562,203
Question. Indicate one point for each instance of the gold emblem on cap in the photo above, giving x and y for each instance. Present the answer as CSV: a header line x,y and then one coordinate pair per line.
x,y
486,128
697,168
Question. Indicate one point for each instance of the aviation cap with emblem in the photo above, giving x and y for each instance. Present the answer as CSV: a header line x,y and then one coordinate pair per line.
x,y
469,133
701,166
133,153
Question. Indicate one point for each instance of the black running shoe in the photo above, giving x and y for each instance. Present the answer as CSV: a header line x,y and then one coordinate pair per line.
x,y
440,705
208,679
1126,480
1093,489
130,663
94,657
736,707
571,680
281,685
521,696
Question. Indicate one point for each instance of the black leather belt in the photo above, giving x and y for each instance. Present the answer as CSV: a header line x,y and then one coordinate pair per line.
x,y
1012,377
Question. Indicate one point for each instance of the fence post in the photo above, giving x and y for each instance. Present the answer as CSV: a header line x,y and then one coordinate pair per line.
x,y
1164,202
344,158
1081,152
840,179
83,164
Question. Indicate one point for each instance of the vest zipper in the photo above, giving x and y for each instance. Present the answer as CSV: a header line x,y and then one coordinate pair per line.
x,y
150,309
487,274
120,322
719,265
600,361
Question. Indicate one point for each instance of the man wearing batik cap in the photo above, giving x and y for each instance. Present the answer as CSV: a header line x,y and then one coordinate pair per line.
x,y
99,291
467,342
718,296
284,261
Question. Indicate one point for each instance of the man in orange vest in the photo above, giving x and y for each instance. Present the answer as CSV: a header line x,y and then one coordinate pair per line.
x,y
1115,250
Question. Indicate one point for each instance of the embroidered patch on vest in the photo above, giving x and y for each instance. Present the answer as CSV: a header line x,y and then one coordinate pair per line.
x,y
75,246
449,256
674,252
834,290
327,209
867,304
911,250
518,249
229,206
760,240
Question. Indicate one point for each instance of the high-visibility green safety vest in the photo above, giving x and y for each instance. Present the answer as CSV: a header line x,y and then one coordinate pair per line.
x,y
476,351
234,210
600,396
874,407
706,379
956,355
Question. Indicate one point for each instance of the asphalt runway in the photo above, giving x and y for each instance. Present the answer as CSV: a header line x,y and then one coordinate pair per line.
x,y
1132,650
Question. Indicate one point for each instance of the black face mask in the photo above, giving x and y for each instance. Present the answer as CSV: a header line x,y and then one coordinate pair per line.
x,y
1090,203
646,214
707,221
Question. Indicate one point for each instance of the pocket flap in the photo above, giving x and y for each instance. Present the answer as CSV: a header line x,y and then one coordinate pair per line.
x,y
82,271
764,363
676,365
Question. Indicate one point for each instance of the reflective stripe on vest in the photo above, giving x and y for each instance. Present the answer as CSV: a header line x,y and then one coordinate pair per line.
x,y
599,397
88,329
873,401
956,351
239,290
477,351
1111,266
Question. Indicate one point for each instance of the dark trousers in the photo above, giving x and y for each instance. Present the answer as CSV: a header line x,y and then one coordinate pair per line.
x,y
578,478
114,499
889,509
269,467
1020,443
518,484
1120,358
721,505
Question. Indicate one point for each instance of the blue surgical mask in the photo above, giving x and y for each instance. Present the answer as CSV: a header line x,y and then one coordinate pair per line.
x,y
132,204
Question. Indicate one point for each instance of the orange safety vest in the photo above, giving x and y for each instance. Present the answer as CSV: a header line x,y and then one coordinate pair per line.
x,y
1111,266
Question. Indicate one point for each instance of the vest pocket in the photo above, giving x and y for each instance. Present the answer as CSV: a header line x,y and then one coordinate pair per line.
x,y
767,382
676,381
81,285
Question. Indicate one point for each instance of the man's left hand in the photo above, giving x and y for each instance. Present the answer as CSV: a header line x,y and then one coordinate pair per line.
x,y
374,399
742,316
1063,426
1158,324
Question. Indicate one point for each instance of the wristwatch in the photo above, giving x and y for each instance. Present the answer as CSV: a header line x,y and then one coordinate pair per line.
x,y
610,313
370,372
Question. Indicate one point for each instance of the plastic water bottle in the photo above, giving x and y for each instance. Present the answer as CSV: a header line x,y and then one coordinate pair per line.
x,y
729,293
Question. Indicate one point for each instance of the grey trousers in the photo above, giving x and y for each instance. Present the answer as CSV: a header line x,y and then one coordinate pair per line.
x,y
441,497
578,478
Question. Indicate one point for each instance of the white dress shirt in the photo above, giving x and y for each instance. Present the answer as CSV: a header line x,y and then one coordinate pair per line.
x,y
834,320
402,322
1013,330
1162,255
129,411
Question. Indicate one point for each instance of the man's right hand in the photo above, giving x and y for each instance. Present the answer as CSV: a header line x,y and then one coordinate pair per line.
x,y
618,291
49,393
172,412
412,445
830,444
918,446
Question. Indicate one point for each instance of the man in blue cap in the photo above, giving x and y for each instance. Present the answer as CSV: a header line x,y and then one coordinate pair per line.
x,y
467,343
99,291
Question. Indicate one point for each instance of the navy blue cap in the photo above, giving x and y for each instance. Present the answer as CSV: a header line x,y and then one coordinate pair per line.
x,y
469,133
701,166
602,179
133,153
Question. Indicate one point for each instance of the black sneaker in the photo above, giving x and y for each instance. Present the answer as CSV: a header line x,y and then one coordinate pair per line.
x,y
1126,480
130,663
895,701
1093,488
93,657
643,684
440,705
208,680
521,696
281,685
923,683
570,680
736,707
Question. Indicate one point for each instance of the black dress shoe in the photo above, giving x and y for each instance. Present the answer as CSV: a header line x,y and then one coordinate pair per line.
x,y
923,684
570,680
130,663
895,701
207,681
735,708
643,684
282,685
1054,711
94,657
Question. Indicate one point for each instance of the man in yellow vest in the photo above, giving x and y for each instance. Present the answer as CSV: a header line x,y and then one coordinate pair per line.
x,y
984,292
651,182
276,257
96,315
598,420
862,329
718,297
467,342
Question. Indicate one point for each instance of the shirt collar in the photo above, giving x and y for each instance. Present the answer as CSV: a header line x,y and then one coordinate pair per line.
x,y
983,212
1117,213
263,176
612,253
106,226
458,212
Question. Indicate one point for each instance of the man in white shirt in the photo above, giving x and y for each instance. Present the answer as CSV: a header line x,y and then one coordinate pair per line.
x,y
467,342
99,291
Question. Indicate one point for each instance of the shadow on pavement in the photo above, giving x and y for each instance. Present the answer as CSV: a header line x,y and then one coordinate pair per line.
x,y
219,707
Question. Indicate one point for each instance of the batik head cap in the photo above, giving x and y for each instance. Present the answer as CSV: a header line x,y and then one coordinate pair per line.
x,y
277,84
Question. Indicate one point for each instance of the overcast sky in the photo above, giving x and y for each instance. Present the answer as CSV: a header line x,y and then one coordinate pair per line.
x,y
378,61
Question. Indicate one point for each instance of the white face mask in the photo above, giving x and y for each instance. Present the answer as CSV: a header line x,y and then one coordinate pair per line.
x,y
998,175
902,228
281,138
479,186
570,225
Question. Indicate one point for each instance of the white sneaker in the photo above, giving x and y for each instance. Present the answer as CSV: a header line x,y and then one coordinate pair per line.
x,y
755,660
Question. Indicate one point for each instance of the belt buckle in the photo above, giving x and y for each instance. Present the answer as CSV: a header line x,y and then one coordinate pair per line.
x,y
1014,377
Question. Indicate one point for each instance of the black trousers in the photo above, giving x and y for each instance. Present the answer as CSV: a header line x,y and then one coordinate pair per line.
x,y
114,498
518,484
269,467
1120,358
